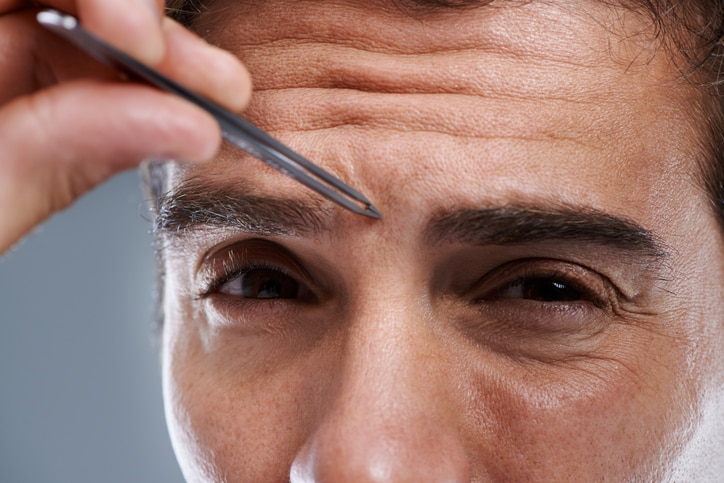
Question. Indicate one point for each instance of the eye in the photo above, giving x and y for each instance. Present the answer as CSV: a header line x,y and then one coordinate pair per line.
x,y
534,308
542,289
537,308
262,283
546,282
256,271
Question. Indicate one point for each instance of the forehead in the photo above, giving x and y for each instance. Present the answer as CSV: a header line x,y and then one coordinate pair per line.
x,y
380,46
481,104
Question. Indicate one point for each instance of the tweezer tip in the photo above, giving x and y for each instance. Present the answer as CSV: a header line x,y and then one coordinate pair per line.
x,y
372,212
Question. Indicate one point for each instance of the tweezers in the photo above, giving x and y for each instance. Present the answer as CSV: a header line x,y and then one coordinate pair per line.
x,y
235,129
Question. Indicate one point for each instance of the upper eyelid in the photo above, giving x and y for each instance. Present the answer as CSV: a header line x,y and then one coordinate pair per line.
x,y
293,266
586,292
222,264
214,283
540,272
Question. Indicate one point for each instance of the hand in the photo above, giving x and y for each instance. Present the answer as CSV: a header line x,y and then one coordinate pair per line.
x,y
67,123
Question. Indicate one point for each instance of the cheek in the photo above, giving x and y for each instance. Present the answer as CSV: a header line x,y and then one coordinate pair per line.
x,y
226,420
622,414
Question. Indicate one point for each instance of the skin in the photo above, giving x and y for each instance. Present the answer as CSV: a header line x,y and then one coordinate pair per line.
x,y
410,357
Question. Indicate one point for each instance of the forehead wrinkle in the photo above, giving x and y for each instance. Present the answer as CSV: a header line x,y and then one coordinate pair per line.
x,y
345,114
363,27
196,204
304,84
418,61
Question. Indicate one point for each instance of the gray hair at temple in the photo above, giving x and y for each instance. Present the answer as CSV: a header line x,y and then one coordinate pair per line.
x,y
692,31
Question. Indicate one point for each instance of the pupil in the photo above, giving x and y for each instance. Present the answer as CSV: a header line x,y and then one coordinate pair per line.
x,y
268,284
269,288
547,290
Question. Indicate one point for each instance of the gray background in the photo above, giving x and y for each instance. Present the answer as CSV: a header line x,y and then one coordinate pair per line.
x,y
80,392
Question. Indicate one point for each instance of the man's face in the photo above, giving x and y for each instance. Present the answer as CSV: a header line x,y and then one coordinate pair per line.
x,y
541,302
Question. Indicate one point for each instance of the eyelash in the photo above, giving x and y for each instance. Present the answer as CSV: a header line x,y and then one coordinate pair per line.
x,y
231,272
586,313
587,293
591,291
256,274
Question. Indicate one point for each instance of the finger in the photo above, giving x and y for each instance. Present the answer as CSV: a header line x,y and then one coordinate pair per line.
x,y
34,58
133,26
206,69
56,147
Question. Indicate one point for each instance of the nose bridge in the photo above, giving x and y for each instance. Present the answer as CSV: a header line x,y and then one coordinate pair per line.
x,y
390,351
387,325
389,417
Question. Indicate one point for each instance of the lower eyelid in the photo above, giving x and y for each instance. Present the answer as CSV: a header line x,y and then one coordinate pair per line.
x,y
586,294
214,281
533,318
592,287
249,314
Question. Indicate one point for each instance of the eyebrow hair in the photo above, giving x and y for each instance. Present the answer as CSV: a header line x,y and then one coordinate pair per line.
x,y
441,4
515,225
196,204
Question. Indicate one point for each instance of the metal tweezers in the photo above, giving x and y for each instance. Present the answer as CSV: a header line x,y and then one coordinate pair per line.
x,y
235,129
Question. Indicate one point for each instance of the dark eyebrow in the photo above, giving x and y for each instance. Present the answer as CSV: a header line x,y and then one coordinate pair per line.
x,y
434,5
196,204
513,225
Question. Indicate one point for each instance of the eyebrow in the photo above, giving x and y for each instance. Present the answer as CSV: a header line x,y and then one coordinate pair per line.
x,y
517,225
195,204
438,5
